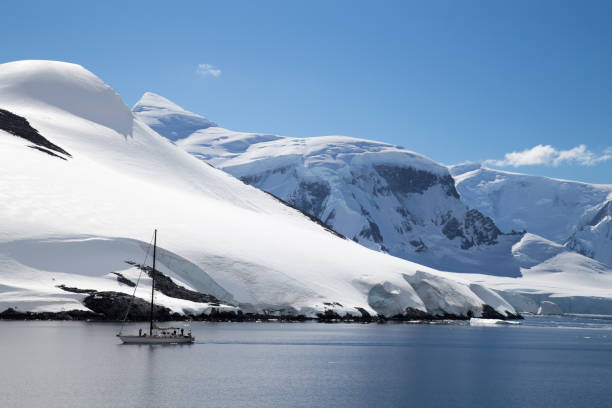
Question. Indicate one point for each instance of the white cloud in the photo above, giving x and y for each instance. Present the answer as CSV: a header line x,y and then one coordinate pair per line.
x,y
548,155
208,70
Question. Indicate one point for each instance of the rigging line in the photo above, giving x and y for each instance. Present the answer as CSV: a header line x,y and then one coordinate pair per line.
x,y
143,265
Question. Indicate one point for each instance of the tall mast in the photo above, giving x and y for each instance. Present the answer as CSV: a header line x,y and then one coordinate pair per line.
x,y
152,284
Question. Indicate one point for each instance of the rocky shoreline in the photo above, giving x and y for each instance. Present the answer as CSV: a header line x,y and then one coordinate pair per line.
x,y
139,313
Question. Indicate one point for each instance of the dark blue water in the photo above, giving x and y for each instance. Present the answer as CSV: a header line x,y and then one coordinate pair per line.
x,y
73,364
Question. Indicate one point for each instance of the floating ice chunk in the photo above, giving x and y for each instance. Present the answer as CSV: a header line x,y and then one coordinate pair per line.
x,y
549,308
474,321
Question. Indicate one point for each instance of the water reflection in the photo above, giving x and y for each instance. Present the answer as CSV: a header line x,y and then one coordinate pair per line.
x,y
74,364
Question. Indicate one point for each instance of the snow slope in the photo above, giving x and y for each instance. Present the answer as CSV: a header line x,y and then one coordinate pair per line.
x,y
563,211
73,219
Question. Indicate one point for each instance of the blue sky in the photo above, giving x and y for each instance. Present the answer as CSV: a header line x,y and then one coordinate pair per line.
x,y
454,80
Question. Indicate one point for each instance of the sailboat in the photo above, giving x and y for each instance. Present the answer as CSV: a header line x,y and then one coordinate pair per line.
x,y
157,335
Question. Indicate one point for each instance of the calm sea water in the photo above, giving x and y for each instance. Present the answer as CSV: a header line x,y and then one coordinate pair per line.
x,y
559,362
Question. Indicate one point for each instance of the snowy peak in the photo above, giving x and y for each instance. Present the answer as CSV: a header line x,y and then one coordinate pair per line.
x,y
168,118
152,101
65,87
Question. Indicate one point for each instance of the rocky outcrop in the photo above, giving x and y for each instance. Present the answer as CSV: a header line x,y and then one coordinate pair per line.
x,y
114,305
124,280
310,197
476,229
406,180
167,286
19,126
12,314
76,290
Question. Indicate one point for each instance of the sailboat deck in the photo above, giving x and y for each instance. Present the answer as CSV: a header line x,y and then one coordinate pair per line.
x,y
156,339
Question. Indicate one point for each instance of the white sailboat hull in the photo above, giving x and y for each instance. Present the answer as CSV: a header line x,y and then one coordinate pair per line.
x,y
156,339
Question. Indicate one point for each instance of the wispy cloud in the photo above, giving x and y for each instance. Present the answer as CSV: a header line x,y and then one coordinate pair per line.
x,y
549,156
208,70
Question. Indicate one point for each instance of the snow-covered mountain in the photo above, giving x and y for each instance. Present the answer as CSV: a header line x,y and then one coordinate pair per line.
x,y
576,214
83,182
382,196
397,201
391,199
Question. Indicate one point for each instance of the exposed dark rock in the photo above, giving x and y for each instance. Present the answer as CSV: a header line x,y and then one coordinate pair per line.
x,y
19,126
409,180
489,313
416,314
310,197
76,290
113,306
167,286
513,316
124,280
477,229
364,313
452,229
372,232
251,179
12,314
419,245
329,315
